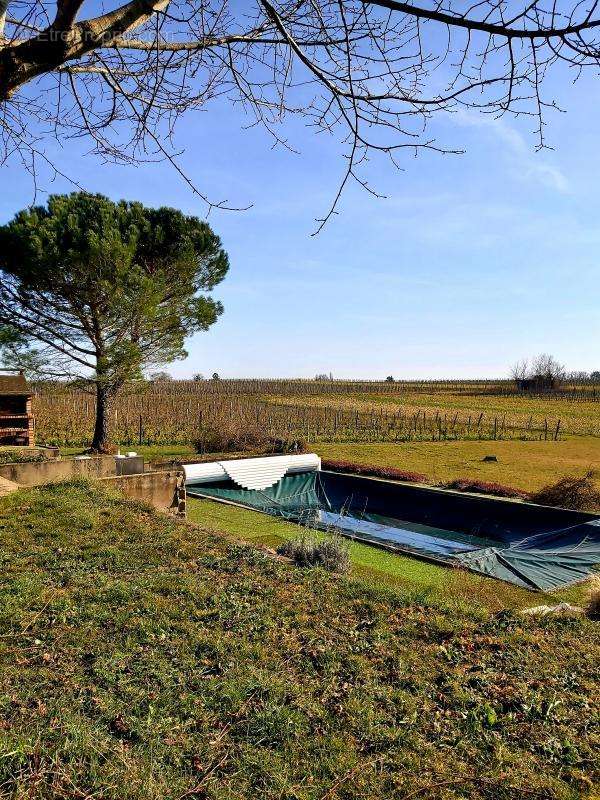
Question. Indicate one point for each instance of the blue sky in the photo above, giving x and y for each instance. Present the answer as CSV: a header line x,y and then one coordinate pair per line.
x,y
472,261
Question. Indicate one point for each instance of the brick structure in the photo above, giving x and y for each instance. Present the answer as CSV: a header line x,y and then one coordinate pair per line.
x,y
17,423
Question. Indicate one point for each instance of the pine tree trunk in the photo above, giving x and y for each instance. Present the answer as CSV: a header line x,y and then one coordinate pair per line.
x,y
104,401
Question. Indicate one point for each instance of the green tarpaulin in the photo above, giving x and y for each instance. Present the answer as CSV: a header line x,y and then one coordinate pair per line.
x,y
292,495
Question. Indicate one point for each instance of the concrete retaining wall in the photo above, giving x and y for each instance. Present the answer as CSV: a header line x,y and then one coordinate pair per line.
x,y
34,473
163,490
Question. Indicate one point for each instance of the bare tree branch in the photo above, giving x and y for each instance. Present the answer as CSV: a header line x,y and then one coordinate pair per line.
x,y
66,13
3,9
464,21
373,73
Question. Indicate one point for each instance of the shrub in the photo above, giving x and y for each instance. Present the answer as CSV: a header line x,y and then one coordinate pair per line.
x,y
301,549
333,553
484,487
20,457
391,473
232,439
227,440
305,550
592,608
579,493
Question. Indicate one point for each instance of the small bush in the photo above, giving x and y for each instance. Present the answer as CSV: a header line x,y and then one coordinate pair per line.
x,y
20,457
333,554
391,473
484,487
592,608
305,551
301,549
579,493
227,440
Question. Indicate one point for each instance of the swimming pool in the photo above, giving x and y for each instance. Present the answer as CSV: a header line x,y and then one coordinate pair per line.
x,y
532,546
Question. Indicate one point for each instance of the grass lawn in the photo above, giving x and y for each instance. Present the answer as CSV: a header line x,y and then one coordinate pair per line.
x,y
150,452
145,658
524,465
377,567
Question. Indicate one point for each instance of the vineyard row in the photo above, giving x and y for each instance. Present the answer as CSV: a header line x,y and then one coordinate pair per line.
x,y
68,420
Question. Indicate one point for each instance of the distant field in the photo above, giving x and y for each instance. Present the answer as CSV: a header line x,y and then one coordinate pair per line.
x,y
430,428
374,423
523,465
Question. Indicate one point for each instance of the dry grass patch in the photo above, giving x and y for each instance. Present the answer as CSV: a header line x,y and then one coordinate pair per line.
x,y
580,493
332,552
593,604
526,465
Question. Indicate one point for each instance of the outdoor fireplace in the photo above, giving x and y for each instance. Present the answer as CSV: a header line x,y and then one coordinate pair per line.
x,y
16,420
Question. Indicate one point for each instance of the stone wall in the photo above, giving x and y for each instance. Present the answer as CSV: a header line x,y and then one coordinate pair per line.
x,y
34,473
163,490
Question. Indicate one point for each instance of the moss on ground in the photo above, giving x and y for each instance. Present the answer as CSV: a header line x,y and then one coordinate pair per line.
x,y
144,658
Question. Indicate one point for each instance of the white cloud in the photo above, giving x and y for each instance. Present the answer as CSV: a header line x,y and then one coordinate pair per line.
x,y
527,164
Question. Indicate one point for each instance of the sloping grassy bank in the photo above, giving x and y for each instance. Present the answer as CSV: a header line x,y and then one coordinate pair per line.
x,y
142,658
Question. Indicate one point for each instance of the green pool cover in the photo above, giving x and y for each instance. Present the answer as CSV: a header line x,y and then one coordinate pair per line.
x,y
531,546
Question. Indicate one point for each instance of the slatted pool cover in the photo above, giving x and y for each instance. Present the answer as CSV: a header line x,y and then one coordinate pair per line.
x,y
531,546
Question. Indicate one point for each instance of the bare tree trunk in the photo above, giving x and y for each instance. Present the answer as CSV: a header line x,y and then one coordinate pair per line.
x,y
104,401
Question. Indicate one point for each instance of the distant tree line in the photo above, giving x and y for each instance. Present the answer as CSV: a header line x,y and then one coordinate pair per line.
x,y
544,373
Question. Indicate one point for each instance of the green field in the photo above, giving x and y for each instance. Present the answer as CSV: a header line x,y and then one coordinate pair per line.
x,y
524,465
147,659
